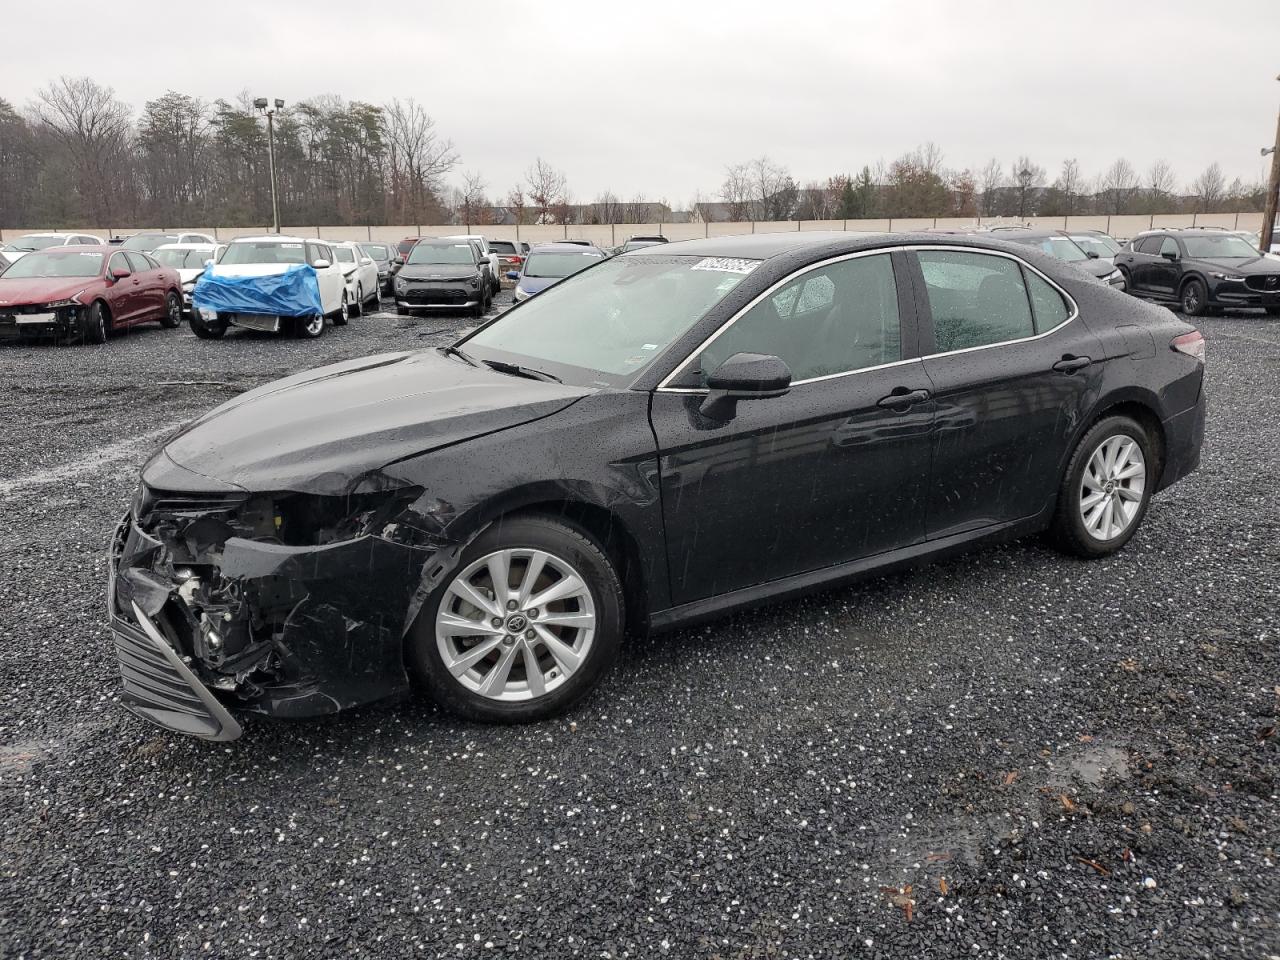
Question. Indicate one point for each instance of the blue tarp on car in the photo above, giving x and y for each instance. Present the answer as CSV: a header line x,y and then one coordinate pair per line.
x,y
294,293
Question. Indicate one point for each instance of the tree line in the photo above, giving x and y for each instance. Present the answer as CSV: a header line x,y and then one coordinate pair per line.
x,y
77,155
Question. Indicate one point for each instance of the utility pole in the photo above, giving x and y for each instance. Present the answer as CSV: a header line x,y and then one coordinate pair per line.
x,y
262,104
1273,187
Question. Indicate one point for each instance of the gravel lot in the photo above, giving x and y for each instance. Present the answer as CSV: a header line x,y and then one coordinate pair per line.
x,y
1008,754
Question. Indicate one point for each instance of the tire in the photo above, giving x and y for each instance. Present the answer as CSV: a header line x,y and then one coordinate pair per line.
x,y
1194,298
514,541
357,308
1092,532
95,323
478,310
312,328
207,329
344,312
172,311
1128,280
402,311
1273,311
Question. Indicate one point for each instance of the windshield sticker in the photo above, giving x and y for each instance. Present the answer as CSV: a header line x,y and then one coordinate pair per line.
x,y
726,265
649,346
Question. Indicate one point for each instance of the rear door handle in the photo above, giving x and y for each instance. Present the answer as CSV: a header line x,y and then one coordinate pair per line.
x,y
901,398
1071,364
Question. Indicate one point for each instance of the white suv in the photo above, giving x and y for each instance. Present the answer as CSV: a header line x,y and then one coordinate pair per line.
x,y
43,241
273,254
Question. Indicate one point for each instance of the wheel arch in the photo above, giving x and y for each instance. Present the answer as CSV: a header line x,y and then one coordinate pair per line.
x,y
1138,405
1194,275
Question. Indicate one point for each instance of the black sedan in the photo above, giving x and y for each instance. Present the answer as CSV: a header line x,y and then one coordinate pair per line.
x,y
1200,271
661,438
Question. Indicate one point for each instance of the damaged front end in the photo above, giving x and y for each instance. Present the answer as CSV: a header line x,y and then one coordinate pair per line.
x,y
289,604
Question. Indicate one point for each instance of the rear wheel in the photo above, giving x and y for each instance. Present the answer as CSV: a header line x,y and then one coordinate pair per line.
x,y
528,623
172,311
1106,490
1195,298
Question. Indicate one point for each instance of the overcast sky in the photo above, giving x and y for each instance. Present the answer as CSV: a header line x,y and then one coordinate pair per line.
x,y
656,98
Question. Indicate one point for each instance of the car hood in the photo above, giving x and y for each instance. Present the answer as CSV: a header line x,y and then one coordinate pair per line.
x,y
1096,267
323,430
27,290
537,284
250,269
1257,264
187,274
438,271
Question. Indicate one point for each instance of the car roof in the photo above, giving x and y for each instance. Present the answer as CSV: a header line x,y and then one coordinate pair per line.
x,y
834,243
562,247
85,247
187,246
279,238
1029,233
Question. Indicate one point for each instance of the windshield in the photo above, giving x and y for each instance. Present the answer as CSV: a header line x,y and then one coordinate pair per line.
x,y
1063,248
612,320
147,242
27,244
442,253
558,264
180,259
55,264
376,251
1225,246
1102,246
262,251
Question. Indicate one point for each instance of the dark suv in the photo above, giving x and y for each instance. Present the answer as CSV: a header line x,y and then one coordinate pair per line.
x,y
1058,244
1200,271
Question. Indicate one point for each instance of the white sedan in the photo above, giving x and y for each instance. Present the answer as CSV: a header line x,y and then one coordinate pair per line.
x,y
32,242
189,260
361,274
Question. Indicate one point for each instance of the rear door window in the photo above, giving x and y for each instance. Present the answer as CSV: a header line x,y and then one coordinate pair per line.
x,y
1148,245
976,299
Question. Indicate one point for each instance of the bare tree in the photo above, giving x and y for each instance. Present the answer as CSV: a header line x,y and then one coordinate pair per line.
x,y
991,179
419,157
736,191
1209,189
546,189
1118,186
1069,184
607,208
95,129
516,202
1161,182
1028,177
472,203
773,192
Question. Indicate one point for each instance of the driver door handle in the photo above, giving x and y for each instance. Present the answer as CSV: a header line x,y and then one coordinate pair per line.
x,y
1070,364
901,398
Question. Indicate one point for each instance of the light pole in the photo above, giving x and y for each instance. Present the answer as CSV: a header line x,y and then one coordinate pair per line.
x,y
270,108
1273,187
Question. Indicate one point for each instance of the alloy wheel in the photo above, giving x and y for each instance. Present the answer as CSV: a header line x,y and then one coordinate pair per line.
x,y
515,624
175,310
316,324
1191,299
1112,487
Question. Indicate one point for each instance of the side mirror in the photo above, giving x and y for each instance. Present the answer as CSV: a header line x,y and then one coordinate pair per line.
x,y
744,376
1169,255
1091,254
321,264
121,273
513,274
482,263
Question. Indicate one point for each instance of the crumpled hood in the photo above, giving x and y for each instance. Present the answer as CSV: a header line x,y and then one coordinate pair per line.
x,y
34,290
322,430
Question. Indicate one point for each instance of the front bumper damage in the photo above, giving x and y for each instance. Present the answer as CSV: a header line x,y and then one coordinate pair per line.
x,y
208,623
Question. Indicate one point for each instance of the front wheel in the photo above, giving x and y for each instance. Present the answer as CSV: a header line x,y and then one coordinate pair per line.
x,y
309,328
528,624
172,311
1106,490
344,312
1195,298
94,324
357,307
207,329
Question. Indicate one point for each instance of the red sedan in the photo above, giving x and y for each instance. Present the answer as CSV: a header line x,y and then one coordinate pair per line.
x,y
85,292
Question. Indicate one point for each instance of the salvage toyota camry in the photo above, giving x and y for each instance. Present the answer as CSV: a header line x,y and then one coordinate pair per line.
x,y
668,435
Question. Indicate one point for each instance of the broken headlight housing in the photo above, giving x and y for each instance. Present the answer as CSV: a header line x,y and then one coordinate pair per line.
x,y
306,519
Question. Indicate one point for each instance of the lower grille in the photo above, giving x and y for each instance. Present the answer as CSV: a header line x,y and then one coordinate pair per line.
x,y
1268,283
161,688
443,297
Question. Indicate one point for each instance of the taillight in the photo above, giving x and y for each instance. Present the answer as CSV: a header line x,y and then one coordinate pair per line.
x,y
1192,344
517,260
